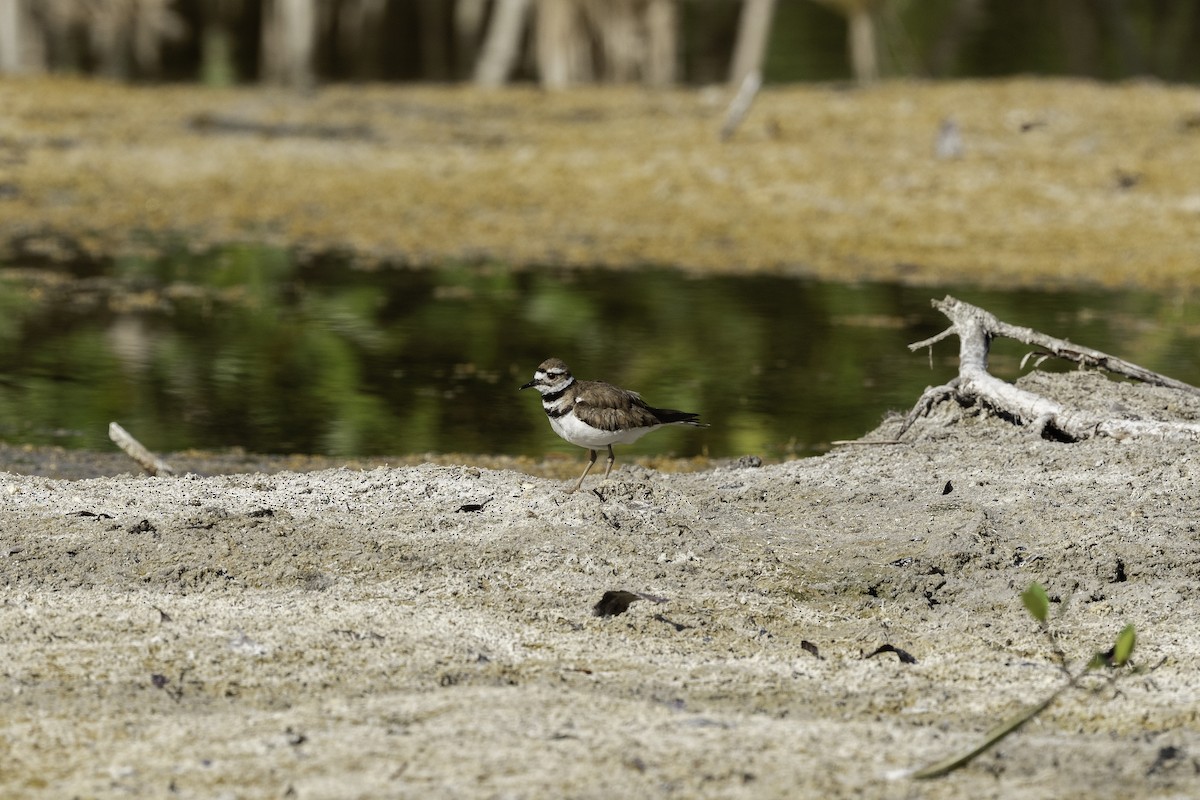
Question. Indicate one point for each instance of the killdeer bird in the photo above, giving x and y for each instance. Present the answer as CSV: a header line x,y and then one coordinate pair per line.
x,y
594,414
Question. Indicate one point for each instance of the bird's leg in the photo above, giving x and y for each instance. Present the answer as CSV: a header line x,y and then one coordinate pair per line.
x,y
586,470
611,459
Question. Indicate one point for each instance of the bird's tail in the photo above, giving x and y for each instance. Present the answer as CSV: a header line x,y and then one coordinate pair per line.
x,y
669,416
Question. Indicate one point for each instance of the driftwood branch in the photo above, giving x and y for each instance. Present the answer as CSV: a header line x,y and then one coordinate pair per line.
x,y
739,107
137,451
976,328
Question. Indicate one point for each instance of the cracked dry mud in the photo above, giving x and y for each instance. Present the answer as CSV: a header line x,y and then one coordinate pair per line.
x,y
428,631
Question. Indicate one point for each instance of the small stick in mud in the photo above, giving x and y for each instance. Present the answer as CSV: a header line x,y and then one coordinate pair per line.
x,y
739,107
151,463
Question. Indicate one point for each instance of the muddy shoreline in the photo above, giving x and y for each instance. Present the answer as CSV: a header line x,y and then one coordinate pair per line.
x,y
429,630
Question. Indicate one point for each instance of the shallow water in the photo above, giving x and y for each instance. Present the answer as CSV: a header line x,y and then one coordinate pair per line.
x,y
248,348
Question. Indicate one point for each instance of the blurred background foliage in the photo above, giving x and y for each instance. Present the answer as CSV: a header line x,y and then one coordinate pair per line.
x,y
559,42
250,348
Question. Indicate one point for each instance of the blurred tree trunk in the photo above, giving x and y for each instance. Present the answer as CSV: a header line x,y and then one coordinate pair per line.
x,y
59,47
502,45
469,16
110,32
621,45
864,57
127,35
621,41
662,45
12,32
360,36
860,36
154,22
289,33
754,31
562,47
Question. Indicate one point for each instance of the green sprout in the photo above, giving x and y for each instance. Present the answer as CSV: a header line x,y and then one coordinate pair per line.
x,y
1038,604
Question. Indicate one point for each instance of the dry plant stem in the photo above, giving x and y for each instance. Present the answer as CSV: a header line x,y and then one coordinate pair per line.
x,y
137,451
995,735
976,328
1014,724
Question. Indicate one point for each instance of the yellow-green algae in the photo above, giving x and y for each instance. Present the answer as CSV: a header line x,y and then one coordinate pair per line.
x,y
1060,182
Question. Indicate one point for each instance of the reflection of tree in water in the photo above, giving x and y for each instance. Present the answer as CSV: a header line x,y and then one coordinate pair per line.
x,y
246,348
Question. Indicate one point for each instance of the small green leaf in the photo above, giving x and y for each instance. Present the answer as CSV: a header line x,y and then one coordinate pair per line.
x,y
1123,649
1099,660
1036,601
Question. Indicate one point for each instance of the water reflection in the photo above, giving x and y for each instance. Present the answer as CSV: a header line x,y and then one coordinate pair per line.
x,y
248,348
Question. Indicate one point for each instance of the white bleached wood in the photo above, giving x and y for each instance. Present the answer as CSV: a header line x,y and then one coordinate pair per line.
x,y
502,45
137,451
976,328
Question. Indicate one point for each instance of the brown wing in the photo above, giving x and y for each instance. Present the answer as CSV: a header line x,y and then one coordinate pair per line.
x,y
611,408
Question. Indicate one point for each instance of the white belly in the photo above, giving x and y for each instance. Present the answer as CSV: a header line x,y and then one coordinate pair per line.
x,y
570,428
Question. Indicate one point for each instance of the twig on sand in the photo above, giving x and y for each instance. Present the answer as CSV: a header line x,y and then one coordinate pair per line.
x,y
740,106
137,451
